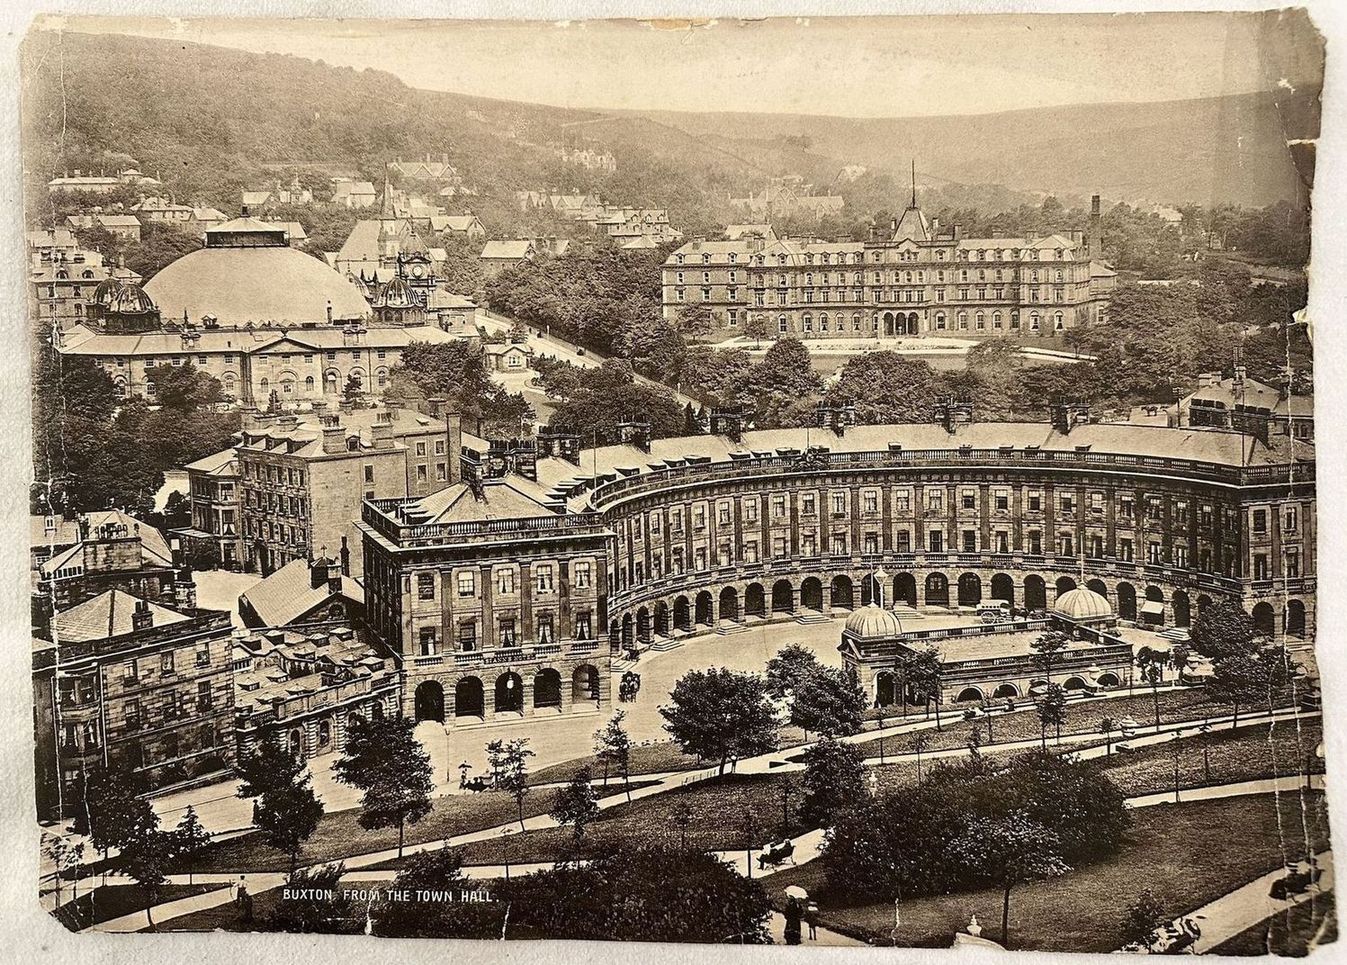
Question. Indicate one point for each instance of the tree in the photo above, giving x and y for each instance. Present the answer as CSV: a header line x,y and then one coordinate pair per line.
x,y
755,327
189,840
353,391
694,322
926,675
1106,727
268,766
65,858
1052,712
792,664
1047,648
720,714
576,804
318,905
434,873
385,761
920,741
829,701
886,387
1152,664
640,893
834,779
509,763
1143,918
612,746
1223,629
146,859
1237,680
1012,850
113,815
285,808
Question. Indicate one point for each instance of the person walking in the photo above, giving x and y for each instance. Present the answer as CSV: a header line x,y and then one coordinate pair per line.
x,y
793,915
811,919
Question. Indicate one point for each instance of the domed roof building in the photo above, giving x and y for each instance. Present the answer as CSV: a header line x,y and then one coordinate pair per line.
x,y
247,272
1085,606
123,309
872,623
105,290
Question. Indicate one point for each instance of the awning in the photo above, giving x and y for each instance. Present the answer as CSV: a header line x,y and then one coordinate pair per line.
x,y
1153,608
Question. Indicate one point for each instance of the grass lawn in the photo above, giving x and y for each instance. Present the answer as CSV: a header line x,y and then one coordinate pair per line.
x,y
1294,933
1219,757
653,759
716,810
340,835
650,759
227,917
1185,853
1022,724
112,901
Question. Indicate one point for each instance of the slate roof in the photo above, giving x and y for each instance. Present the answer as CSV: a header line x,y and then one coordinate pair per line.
x,y
288,594
513,497
108,615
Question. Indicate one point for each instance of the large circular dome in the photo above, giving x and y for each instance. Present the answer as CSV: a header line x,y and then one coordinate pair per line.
x,y
871,622
1082,604
261,284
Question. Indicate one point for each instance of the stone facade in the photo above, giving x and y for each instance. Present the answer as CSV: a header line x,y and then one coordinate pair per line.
x,y
916,281
494,619
155,695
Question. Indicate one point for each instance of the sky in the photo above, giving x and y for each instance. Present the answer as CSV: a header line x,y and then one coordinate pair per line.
x,y
855,67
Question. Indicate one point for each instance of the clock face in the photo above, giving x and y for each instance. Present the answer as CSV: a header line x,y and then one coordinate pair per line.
x,y
418,271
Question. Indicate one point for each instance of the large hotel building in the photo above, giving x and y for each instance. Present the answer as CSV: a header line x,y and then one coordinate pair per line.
x,y
918,280
716,531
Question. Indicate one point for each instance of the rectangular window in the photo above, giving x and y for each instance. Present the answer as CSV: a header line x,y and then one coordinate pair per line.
x,y
425,586
427,641
467,636
505,581
1260,566
970,541
369,475
936,541
507,632
1260,520
583,627
1125,550
467,583
166,662
582,575
904,541
205,700
544,577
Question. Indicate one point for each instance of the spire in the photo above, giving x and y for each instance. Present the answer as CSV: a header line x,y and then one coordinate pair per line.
x,y
387,211
914,182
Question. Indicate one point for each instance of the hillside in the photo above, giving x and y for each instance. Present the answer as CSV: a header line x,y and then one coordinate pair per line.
x,y
210,120
1208,151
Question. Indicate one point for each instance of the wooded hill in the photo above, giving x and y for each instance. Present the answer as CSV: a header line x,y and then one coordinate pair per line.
x,y
210,120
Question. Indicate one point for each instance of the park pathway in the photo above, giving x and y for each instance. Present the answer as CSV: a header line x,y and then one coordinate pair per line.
x,y
1250,904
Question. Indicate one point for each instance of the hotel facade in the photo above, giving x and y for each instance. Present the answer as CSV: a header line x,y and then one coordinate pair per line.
x,y
919,280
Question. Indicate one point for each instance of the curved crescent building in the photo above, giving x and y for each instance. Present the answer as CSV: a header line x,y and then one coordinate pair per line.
x,y
711,532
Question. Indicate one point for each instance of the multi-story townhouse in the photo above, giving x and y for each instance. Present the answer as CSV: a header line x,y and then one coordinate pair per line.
x,y
126,683
303,477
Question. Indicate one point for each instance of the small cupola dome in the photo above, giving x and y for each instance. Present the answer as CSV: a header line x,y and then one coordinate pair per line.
x,y
1082,605
871,622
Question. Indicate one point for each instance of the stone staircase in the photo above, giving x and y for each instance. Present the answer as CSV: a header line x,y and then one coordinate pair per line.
x,y
812,616
726,628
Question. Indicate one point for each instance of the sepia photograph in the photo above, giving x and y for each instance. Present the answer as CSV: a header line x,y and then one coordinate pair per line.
x,y
831,481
